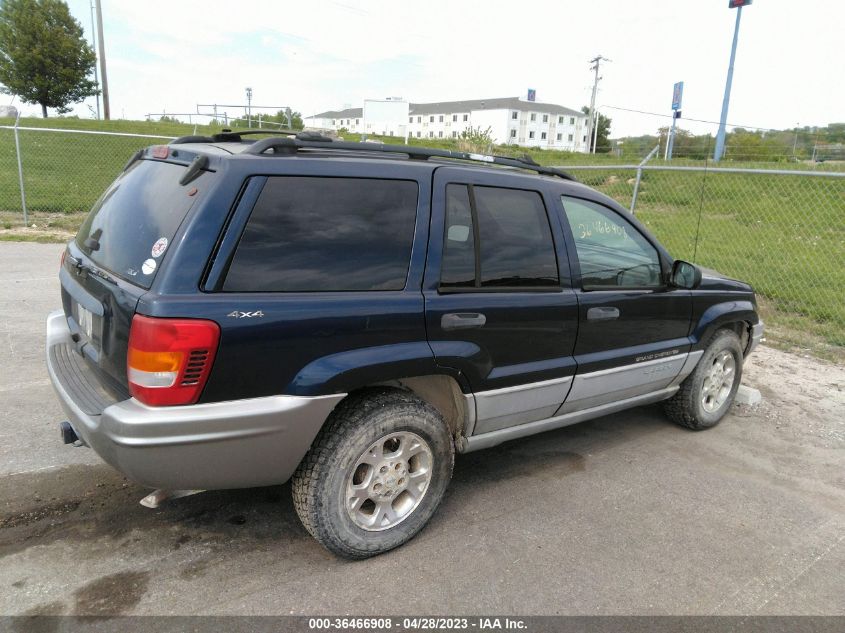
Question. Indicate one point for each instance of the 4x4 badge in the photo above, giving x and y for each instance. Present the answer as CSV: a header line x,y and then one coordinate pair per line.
x,y
245,315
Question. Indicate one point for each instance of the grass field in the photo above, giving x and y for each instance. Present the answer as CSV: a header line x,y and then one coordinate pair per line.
x,y
784,234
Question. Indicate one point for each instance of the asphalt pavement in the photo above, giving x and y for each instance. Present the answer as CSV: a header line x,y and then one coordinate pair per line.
x,y
627,514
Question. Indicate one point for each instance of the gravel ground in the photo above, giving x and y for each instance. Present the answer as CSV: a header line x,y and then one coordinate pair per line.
x,y
627,514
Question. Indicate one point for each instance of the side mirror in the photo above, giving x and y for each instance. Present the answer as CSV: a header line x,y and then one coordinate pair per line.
x,y
685,275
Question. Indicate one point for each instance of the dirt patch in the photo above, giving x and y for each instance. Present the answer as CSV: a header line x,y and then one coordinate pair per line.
x,y
799,388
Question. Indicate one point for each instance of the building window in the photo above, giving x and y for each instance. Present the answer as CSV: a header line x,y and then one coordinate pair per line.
x,y
410,119
419,134
543,136
560,137
440,119
572,120
585,138
431,119
570,138
531,135
431,135
513,133
466,117
533,117
334,121
545,118
419,119
560,120
454,117
454,135
440,134
514,115
357,121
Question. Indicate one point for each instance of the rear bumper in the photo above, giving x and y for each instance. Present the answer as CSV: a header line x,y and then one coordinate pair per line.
x,y
236,444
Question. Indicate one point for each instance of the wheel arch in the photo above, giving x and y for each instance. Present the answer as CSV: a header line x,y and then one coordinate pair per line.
x,y
440,390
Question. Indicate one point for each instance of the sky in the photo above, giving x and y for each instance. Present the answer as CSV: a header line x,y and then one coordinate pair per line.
x,y
169,56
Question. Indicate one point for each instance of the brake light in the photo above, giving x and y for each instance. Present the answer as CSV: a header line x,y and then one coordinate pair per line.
x,y
161,151
62,262
169,360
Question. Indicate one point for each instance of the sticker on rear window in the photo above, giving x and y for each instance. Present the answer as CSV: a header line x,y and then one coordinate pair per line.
x,y
159,247
148,267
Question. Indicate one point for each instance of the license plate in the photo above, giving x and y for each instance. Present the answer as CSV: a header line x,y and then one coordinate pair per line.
x,y
85,320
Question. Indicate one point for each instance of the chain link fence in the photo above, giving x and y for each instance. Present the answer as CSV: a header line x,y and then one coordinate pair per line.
x,y
782,230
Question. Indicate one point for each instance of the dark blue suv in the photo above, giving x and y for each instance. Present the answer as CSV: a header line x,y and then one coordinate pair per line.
x,y
242,312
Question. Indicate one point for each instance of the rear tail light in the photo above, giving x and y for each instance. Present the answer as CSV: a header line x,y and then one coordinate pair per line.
x,y
169,359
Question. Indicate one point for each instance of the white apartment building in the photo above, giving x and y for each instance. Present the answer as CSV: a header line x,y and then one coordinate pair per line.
x,y
511,121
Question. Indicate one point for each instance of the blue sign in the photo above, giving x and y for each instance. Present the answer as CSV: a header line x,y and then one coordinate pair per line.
x,y
532,94
677,95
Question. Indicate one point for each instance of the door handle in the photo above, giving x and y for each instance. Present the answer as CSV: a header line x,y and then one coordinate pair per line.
x,y
462,320
603,313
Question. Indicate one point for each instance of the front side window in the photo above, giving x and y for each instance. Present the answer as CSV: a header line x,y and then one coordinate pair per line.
x,y
497,238
612,253
310,234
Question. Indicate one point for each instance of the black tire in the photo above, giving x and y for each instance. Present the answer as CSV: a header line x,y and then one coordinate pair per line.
x,y
686,407
357,424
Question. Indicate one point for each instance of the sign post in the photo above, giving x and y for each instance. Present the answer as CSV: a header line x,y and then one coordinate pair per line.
x,y
677,97
720,137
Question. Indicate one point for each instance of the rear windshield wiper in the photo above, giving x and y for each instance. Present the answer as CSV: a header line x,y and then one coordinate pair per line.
x,y
91,270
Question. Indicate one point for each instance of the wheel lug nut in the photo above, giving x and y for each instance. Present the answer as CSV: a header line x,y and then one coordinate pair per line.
x,y
383,469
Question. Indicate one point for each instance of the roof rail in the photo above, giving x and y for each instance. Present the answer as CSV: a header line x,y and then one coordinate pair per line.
x,y
228,136
310,140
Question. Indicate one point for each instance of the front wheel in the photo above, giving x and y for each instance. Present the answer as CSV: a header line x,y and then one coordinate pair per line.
x,y
375,474
708,392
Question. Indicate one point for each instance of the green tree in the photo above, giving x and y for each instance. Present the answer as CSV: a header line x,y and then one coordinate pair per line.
x,y
602,142
282,117
44,58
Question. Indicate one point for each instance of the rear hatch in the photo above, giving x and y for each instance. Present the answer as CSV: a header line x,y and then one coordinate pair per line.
x,y
115,258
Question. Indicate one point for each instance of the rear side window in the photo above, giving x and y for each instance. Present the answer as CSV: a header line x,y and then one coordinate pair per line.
x,y
497,238
308,234
130,227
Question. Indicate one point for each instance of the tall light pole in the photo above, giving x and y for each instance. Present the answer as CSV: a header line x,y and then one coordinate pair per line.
x,y
249,107
94,44
720,137
596,62
106,112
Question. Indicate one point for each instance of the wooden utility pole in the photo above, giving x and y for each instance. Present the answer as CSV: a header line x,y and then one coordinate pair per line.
x,y
105,81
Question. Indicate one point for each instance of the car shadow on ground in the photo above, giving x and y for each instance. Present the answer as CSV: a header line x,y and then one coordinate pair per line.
x,y
85,502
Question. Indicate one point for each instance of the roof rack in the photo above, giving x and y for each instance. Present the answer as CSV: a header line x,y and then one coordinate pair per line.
x,y
311,140
228,136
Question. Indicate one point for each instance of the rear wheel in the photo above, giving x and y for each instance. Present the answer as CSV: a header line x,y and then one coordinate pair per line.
x,y
375,474
708,392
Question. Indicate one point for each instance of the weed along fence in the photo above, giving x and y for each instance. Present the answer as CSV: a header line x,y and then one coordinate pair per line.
x,y
783,230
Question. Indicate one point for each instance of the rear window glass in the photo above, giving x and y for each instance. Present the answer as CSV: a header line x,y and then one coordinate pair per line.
x,y
309,234
134,221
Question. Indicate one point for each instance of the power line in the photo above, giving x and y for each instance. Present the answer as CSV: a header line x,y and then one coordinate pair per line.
x,y
686,118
